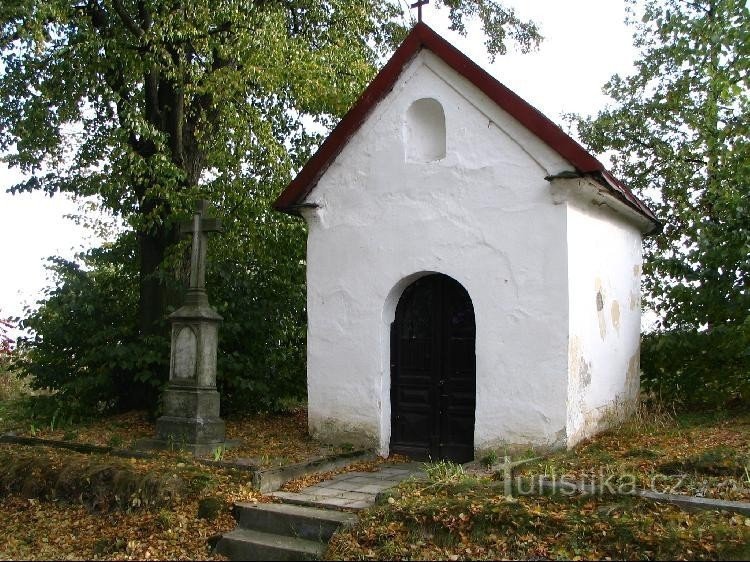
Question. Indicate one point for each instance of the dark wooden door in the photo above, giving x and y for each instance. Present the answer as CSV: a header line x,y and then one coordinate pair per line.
x,y
433,371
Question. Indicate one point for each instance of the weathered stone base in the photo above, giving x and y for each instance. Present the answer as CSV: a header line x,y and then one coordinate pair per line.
x,y
193,403
190,430
190,422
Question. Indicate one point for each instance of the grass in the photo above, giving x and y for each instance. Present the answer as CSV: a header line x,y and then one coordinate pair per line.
x,y
453,514
457,521
460,514
694,454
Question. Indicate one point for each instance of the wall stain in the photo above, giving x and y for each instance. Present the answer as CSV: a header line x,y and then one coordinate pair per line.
x,y
616,315
635,301
584,373
633,376
600,308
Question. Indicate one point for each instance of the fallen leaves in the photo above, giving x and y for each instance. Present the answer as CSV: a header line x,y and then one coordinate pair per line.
x,y
364,466
34,529
473,519
695,448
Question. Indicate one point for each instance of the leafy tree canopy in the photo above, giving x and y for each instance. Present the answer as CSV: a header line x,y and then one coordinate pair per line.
x,y
151,104
680,132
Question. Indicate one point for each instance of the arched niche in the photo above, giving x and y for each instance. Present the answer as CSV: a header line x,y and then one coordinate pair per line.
x,y
425,131
186,354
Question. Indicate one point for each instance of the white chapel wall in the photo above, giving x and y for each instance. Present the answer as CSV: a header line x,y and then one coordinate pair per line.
x,y
604,274
482,214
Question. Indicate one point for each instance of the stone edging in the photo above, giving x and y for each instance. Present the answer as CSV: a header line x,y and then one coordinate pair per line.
x,y
264,480
73,446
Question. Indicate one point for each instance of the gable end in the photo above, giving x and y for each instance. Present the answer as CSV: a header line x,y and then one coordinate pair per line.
x,y
422,36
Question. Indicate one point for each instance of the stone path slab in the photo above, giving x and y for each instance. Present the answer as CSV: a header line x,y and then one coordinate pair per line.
x,y
352,490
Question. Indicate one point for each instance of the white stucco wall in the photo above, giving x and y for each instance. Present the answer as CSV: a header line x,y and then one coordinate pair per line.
x,y
483,215
604,274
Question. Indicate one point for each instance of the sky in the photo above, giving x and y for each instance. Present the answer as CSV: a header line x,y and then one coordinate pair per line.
x,y
585,43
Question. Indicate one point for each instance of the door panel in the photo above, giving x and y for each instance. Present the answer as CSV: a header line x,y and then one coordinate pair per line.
x,y
433,371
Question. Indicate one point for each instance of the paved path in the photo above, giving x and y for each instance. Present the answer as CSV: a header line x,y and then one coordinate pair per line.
x,y
352,490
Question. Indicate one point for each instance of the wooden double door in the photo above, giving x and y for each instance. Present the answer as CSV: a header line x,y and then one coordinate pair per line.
x,y
433,371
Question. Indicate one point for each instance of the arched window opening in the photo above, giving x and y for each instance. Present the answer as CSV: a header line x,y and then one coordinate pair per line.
x,y
425,131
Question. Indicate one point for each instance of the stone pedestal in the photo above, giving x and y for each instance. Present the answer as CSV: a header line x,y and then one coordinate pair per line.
x,y
191,403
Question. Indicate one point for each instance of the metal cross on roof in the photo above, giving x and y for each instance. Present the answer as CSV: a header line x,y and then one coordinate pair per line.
x,y
418,5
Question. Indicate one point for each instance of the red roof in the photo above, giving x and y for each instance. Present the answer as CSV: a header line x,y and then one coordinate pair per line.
x,y
422,37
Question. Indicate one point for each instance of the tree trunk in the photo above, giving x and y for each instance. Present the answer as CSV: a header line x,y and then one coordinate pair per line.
x,y
152,303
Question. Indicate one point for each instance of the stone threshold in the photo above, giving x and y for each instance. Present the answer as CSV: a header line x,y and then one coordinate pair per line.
x,y
271,479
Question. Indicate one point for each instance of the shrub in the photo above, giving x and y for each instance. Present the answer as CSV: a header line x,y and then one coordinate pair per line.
x,y
13,383
85,343
698,369
87,347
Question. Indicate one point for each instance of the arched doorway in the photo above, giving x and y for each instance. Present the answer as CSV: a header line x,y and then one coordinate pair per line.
x,y
433,371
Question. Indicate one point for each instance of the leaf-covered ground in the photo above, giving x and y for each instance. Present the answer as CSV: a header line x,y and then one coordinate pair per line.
x,y
65,528
266,439
41,523
445,518
473,520
703,455
460,514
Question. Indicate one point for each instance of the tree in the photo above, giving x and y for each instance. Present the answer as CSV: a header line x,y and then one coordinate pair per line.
x,y
6,343
151,104
680,132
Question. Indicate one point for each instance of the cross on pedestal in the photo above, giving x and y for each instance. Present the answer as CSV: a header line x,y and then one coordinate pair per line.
x,y
191,402
418,5
199,227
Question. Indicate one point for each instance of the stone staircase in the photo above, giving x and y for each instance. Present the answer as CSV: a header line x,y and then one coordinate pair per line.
x,y
277,531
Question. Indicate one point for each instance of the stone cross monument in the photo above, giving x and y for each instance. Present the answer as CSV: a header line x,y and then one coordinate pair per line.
x,y
191,402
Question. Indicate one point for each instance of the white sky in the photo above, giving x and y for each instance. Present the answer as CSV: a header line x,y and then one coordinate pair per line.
x,y
586,42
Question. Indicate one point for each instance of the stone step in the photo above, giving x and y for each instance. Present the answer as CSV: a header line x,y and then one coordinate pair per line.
x,y
249,544
327,503
291,520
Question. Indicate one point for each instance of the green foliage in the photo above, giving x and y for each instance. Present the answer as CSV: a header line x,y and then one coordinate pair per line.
x,y
88,347
12,383
490,459
86,343
444,473
44,410
149,105
218,453
210,508
256,281
680,132
6,343
697,368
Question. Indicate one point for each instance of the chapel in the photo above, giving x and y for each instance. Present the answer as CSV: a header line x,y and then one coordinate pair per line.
x,y
473,273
